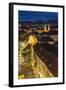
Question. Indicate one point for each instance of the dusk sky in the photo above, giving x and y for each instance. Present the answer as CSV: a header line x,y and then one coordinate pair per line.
x,y
34,16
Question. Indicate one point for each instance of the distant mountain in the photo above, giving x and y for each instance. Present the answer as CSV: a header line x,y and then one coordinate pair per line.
x,y
39,22
53,21
26,22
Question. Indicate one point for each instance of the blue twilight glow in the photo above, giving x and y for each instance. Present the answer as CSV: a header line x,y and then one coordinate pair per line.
x,y
35,16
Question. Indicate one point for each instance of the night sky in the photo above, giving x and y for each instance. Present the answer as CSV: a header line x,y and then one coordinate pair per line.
x,y
36,16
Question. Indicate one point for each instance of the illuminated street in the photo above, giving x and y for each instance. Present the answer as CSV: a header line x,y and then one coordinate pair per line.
x,y
31,66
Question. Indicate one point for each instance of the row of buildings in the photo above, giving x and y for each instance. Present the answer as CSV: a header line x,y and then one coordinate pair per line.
x,y
45,27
